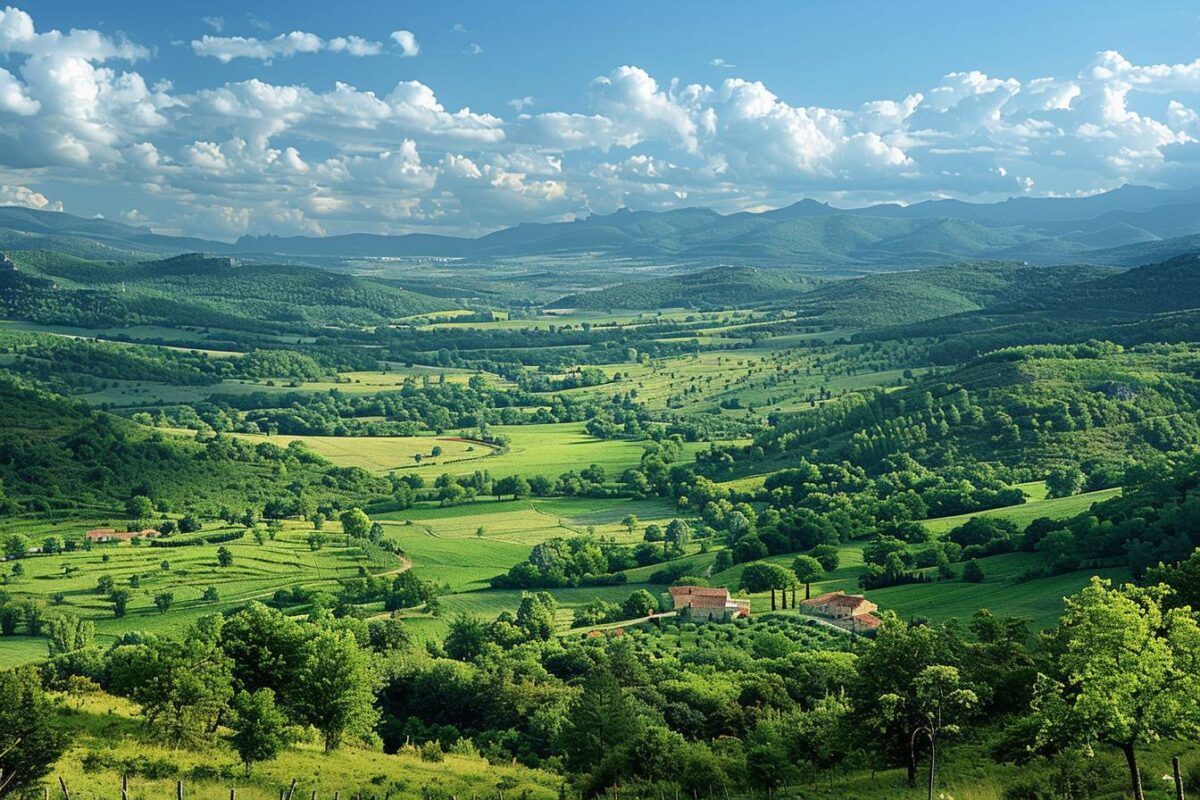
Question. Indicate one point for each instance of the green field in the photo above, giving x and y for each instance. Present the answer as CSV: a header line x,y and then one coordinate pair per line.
x,y
547,449
1022,515
384,454
67,581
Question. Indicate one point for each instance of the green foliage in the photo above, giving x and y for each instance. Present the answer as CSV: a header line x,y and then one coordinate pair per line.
x,y
182,685
1125,672
807,569
600,723
119,598
1065,481
972,571
258,728
30,740
355,523
762,575
337,688
68,632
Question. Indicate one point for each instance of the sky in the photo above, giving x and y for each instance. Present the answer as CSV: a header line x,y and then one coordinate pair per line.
x,y
222,119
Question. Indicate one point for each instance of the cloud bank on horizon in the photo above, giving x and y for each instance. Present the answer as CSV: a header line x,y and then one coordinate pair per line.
x,y
255,156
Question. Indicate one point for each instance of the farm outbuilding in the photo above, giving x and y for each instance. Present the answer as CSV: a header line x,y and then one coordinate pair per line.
x,y
99,535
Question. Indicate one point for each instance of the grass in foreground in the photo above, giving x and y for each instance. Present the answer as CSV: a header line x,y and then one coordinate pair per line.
x,y
107,729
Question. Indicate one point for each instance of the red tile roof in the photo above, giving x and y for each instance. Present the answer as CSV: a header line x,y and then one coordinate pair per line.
x,y
699,590
868,620
836,599
699,597
112,533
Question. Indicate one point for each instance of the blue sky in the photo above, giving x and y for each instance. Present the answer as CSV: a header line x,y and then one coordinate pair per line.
x,y
226,118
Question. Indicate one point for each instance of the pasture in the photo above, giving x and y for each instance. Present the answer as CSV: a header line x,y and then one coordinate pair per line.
x,y
382,454
107,733
548,449
463,546
1022,515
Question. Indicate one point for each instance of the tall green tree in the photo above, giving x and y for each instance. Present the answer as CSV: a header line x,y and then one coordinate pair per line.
x,y
1127,673
337,685
120,601
535,615
890,667
807,569
16,545
30,741
258,728
68,632
639,604
182,685
601,722
355,523
938,699
467,637
267,650
139,507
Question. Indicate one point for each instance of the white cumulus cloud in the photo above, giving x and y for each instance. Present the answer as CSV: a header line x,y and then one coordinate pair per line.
x,y
227,48
255,156
27,198
409,46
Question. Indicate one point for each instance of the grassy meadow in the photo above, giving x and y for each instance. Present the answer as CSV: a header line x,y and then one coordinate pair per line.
x,y
547,449
108,733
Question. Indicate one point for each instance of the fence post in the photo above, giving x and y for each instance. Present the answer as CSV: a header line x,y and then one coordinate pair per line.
x,y
1178,778
124,787
178,790
63,784
232,793
291,789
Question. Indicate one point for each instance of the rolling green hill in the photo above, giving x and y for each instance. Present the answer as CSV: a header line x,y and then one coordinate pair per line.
x,y
199,290
904,297
58,454
719,287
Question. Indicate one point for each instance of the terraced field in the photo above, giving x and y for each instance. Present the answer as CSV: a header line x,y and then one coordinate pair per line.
x,y
68,580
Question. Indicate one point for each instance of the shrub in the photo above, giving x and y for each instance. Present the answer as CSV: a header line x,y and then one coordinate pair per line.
x,y
431,751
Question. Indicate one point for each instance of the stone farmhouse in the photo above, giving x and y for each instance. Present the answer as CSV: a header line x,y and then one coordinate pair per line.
x,y
707,604
850,611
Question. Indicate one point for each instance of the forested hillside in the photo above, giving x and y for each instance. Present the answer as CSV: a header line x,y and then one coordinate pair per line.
x,y
906,297
56,454
739,287
197,290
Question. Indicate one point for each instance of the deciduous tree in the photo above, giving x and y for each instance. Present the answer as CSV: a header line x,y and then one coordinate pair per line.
x,y
1127,673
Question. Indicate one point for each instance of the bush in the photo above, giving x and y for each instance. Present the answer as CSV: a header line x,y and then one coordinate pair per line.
x,y
431,751
972,572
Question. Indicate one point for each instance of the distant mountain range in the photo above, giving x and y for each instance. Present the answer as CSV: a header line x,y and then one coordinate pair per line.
x,y
1127,226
